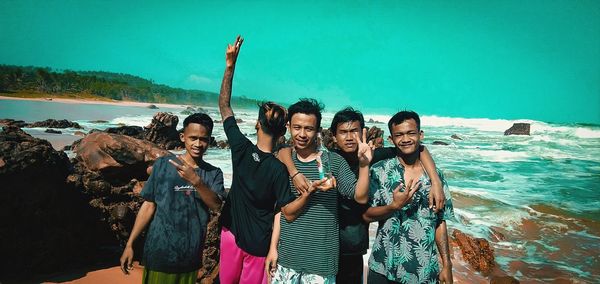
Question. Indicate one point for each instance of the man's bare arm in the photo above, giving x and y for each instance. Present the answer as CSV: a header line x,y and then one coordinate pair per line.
x,y
225,94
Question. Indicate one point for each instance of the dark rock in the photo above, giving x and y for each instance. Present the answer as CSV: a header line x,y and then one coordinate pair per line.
x,y
454,136
327,138
53,123
50,130
496,234
163,131
223,144
373,121
116,156
518,129
99,121
503,280
375,135
152,107
209,272
440,143
132,131
12,122
476,251
47,226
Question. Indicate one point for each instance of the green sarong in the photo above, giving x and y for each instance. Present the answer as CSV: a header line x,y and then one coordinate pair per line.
x,y
156,277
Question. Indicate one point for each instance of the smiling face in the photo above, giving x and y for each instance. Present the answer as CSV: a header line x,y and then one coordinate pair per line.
x,y
303,129
344,136
406,136
196,138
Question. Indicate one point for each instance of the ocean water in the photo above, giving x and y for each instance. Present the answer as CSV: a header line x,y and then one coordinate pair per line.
x,y
542,192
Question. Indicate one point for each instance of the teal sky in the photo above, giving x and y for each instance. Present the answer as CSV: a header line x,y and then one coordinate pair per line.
x,y
476,59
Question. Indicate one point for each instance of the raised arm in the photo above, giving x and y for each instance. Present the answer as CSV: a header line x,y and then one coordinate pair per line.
x,y
436,195
225,94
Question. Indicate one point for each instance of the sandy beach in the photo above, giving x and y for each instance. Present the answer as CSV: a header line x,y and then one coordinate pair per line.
x,y
97,102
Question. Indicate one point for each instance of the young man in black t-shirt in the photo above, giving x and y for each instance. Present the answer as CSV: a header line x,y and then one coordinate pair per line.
x,y
260,187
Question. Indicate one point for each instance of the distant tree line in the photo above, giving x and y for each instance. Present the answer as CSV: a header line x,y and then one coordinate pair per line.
x,y
116,86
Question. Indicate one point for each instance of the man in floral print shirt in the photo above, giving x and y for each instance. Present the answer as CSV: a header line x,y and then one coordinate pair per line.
x,y
404,250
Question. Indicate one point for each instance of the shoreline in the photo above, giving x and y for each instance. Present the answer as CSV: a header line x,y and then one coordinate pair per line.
x,y
97,102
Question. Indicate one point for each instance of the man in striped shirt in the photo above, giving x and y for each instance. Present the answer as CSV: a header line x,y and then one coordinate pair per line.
x,y
307,250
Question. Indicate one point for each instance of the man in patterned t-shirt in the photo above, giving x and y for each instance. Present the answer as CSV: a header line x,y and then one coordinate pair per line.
x,y
404,250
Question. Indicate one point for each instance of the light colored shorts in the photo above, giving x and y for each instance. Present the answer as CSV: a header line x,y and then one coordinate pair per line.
x,y
285,275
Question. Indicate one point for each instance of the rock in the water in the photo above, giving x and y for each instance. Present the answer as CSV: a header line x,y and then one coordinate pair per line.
x,y
53,123
163,131
133,131
454,136
375,134
371,120
518,129
79,133
476,251
503,280
99,121
440,143
117,156
152,107
53,131
12,122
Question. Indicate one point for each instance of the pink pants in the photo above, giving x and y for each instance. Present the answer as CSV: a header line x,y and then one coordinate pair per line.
x,y
236,265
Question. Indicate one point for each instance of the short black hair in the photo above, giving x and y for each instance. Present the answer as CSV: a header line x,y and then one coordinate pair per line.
x,y
346,115
402,116
272,118
306,106
199,118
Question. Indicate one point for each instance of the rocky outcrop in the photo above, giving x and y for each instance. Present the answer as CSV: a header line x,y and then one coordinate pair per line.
x,y
442,143
476,251
163,131
152,107
53,123
375,134
519,129
132,131
52,131
209,272
117,156
11,122
455,136
47,226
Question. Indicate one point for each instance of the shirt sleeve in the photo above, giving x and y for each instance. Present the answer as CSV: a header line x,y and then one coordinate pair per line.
x,y
236,139
149,189
447,214
217,185
346,181
381,154
375,189
283,192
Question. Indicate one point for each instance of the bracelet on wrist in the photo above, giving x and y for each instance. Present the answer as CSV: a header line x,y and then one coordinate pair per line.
x,y
294,175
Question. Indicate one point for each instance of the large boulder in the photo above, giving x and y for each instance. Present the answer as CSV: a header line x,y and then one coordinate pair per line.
x,y
53,123
163,131
476,251
518,129
11,122
119,157
46,226
375,135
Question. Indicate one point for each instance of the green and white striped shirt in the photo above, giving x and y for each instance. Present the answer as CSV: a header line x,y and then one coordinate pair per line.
x,y
310,244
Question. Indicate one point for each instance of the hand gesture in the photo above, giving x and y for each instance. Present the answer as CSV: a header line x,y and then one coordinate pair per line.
x,y
325,184
401,198
186,171
301,183
127,260
365,151
271,264
446,275
232,51
437,199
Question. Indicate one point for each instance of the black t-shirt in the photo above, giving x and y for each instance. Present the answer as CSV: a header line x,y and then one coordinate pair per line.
x,y
354,232
259,189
